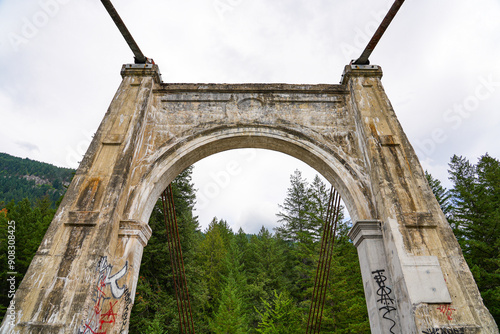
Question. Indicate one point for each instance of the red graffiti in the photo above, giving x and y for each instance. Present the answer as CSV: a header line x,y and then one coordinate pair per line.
x,y
108,317
447,310
100,314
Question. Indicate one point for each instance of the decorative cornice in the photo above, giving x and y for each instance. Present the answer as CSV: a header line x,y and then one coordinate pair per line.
x,y
135,229
365,229
360,71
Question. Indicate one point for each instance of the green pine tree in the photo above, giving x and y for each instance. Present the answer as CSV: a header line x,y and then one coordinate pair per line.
x,y
443,195
476,198
155,306
231,317
280,316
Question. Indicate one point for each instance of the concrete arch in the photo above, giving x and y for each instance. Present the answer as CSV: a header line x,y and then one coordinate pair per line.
x,y
173,159
152,131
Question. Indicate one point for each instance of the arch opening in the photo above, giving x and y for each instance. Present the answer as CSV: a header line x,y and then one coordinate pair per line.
x,y
245,187
170,161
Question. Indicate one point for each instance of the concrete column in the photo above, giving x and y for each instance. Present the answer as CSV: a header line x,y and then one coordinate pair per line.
x,y
83,276
434,289
114,286
380,299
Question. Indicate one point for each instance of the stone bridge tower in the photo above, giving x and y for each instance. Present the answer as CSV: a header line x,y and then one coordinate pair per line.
x,y
84,275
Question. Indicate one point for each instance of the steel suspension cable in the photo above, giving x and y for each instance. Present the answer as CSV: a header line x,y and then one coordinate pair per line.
x,y
324,264
138,55
178,271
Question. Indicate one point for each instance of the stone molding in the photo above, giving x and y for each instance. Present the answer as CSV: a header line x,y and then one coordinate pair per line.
x,y
135,229
365,229
142,70
82,218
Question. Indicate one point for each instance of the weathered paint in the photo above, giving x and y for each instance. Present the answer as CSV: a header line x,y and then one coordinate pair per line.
x,y
411,262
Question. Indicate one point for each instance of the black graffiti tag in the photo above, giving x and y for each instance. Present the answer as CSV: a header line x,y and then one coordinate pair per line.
x,y
444,331
126,311
384,294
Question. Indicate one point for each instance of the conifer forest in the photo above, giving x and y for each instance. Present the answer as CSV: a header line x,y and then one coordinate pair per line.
x,y
256,283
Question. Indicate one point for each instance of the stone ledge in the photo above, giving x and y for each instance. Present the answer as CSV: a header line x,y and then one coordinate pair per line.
x,y
82,218
418,219
252,88
142,70
135,229
365,229
360,71
388,140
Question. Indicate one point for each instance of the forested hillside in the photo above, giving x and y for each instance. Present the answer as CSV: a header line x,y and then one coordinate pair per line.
x,y
262,283
25,178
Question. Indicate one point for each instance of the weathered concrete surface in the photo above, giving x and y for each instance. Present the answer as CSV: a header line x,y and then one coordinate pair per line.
x,y
84,275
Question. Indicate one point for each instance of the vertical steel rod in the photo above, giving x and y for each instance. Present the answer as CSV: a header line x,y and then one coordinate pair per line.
x,y
329,258
312,308
171,252
178,270
326,258
363,59
324,264
181,260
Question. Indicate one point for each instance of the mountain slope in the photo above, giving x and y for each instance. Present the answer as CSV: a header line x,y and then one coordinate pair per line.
x,y
26,178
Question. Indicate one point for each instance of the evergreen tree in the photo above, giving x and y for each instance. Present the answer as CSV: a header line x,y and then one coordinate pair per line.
x,y
264,266
280,316
212,254
443,195
318,196
231,315
345,310
294,215
31,223
155,306
302,217
476,198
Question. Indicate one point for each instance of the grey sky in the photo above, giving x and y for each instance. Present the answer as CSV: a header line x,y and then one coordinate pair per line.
x,y
60,63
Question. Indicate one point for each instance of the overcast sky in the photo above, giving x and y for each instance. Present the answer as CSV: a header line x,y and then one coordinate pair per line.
x,y
60,66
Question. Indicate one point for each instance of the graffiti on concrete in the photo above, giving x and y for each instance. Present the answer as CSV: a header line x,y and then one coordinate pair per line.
x,y
126,310
105,295
444,331
446,310
384,297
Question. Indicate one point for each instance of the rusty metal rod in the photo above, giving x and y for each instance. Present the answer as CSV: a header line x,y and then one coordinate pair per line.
x,y
312,308
313,300
178,270
175,262
138,55
177,257
171,252
363,59
180,259
313,311
324,264
326,258
329,257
